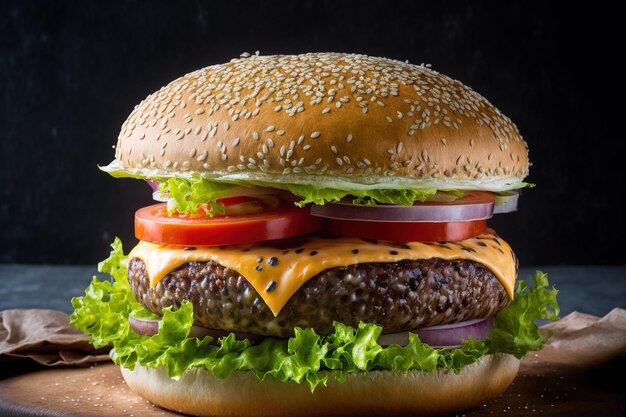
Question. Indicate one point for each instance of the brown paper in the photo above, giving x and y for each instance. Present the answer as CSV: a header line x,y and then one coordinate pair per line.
x,y
583,340
45,336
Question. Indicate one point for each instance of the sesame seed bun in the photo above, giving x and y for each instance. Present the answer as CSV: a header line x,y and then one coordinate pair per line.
x,y
323,118
367,393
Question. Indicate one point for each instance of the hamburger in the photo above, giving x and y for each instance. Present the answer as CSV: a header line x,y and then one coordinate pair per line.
x,y
320,243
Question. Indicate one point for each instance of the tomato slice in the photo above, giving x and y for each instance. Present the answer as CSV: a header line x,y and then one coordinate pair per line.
x,y
407,231
152,224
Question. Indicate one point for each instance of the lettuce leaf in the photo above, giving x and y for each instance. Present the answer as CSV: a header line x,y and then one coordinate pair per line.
x,y
313,194
187,194
306,357
100,312
514,331
188,190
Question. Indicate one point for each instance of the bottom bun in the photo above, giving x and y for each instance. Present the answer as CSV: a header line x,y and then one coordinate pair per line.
x,y
369,393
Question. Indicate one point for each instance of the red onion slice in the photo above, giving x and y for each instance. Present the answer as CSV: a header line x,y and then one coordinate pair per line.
x,y
506,202
444,336
146,327
150,327
153,184
447,335
156,194
474,205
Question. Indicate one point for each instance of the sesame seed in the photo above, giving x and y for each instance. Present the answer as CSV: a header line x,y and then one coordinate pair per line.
x,y
349,138
326,110
270,128
315,135
280,132
306,147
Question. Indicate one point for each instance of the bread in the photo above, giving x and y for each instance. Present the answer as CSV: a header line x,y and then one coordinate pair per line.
x,y
376,393
329,118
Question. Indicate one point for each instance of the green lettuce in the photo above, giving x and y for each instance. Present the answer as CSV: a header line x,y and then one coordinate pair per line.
x,y
187,194
306,357
188,191
313,194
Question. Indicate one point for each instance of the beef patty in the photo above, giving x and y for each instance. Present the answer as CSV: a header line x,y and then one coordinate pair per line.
x,y
397,296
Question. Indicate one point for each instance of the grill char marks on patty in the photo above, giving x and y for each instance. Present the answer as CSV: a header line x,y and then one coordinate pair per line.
x,y
398,296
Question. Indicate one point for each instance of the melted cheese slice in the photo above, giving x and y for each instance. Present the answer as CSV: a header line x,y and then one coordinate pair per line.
x,y
278,272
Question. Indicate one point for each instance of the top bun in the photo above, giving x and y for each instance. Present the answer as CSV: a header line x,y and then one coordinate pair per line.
x,y
323,118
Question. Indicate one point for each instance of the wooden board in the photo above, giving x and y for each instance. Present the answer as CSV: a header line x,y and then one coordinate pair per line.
x,y
100,391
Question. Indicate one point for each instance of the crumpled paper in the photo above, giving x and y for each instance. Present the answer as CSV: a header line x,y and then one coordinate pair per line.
x,y
586,341
46,337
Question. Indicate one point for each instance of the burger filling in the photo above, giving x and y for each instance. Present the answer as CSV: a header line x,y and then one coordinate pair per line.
x,y
397,296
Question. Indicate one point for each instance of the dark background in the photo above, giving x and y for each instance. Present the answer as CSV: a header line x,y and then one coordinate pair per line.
x,y
71,72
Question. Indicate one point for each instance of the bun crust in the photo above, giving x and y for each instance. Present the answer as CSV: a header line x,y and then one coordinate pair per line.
x,y
370,393
321,117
